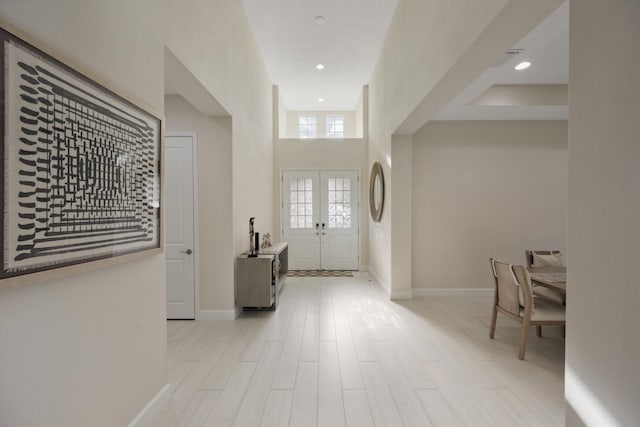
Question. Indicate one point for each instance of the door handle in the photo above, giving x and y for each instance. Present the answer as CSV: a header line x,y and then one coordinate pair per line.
x,y
188,252
323,225
317,225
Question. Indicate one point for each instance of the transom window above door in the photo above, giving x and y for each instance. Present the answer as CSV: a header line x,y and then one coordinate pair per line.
x,y
321,125
307,127
335,126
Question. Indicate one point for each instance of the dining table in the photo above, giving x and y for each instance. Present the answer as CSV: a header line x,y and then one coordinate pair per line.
x,y
550,277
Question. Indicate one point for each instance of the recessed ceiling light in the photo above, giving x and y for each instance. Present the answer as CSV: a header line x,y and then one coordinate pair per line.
x,y
319,19
523,65
320,67
320,99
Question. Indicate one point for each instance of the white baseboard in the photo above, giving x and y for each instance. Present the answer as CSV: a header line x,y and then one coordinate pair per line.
x,y
219,314
401,295
453,292
380,282
145,416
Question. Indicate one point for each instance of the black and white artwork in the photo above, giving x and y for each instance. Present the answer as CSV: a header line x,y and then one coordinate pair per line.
x,y
81,166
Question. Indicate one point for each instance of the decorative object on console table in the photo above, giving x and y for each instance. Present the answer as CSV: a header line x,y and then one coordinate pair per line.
x,y
252,243
266,240
81,170
256,243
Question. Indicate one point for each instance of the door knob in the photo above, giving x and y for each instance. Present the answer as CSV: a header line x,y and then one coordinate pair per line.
x,y
188,252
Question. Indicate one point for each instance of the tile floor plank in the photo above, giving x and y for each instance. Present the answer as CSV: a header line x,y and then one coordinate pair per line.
x,y
310,339
381,402
304,409
255,400
330,400
356,409
399,380
198,408
285,376
278,409
437,409
224,411
349,364
219,376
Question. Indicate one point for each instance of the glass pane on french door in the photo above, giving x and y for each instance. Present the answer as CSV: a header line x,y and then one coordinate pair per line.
x,y
339,218
301,218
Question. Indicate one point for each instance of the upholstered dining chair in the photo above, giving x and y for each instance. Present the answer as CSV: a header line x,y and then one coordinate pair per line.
x,y
514,299
547,258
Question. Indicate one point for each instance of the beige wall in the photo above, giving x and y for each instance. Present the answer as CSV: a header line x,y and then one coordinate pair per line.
x,y
602,375
401,187
215,205
413,59
213,40
433,50
321,155
321,122
359,114
89,349
485,189
281,111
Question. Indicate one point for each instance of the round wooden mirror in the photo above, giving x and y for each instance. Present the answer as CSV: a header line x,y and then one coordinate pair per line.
x,y
376,191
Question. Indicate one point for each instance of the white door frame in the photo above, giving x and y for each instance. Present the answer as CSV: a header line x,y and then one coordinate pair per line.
x,y
307,169
196,225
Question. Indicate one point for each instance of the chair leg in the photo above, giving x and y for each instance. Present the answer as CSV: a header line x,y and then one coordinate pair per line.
x,y
494,315
539,331
523,338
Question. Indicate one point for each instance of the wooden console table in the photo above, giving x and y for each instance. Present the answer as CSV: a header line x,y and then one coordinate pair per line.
x,y
259,280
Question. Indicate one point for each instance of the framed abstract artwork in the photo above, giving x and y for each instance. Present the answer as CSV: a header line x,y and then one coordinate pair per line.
x,y
80,178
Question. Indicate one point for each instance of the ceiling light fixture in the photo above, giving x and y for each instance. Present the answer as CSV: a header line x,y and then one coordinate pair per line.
x,y
319,67
319,19
523,65
320,99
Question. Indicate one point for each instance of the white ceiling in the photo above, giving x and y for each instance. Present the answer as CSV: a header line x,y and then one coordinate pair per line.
x,y
348,43
547,48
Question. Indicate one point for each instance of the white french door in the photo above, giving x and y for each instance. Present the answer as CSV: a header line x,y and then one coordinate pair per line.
x,y
320,219
339,220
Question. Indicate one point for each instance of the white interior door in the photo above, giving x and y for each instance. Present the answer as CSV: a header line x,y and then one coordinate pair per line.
x,y
179,225
320,219
339,220
301,213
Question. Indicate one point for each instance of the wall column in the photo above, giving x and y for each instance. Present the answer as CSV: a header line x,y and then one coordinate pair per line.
x,y
602,379
401,227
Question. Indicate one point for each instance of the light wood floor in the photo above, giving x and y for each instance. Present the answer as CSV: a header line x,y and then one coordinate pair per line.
x,y
337,352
